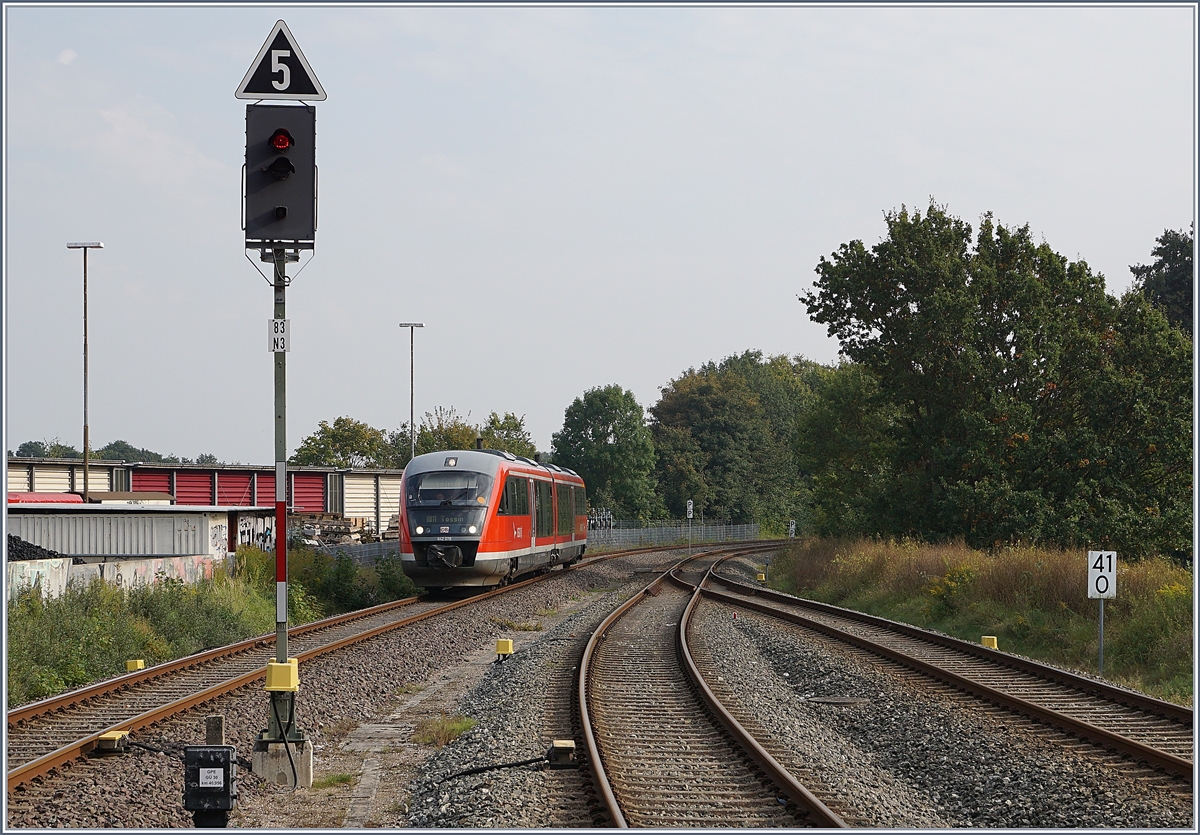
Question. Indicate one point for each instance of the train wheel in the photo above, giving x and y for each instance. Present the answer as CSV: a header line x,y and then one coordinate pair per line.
x,y
512,572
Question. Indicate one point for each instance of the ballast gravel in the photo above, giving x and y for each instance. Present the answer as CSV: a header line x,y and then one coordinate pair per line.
x,y
897,755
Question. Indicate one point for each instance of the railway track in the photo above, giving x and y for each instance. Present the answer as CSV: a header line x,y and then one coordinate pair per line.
x,y
663,751
45,735
1143,729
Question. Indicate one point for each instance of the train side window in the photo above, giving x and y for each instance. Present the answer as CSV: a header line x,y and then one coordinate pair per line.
x,y
514,500
565,522
520,497
545,508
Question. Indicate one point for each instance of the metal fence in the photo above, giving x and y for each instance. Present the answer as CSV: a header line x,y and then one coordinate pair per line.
x,y
619,534
614,534
367,553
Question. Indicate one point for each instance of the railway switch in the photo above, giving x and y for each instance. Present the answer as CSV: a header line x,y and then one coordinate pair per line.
x,y
561,754
209,783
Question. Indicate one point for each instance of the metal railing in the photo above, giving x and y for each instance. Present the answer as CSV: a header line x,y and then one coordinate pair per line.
x,y
367,553
620,534
615,534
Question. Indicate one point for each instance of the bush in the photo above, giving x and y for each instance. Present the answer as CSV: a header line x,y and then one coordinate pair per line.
x,y
88,633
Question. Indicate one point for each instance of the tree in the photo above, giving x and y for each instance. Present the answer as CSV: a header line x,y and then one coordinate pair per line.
x,y
723,435
30,449
444,429
605,439
508,433
57,449
1168,282
844,443
1005,364
125,451
347,443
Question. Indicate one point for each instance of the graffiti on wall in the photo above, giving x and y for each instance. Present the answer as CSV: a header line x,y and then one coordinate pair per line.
x,y
131,573
50,575
53,575
219,541
256,531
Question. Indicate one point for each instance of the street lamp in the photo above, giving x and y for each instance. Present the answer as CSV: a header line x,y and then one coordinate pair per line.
x,y
412,429
85,246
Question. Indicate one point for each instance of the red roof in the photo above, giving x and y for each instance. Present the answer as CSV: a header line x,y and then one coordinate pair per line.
x,y
45,498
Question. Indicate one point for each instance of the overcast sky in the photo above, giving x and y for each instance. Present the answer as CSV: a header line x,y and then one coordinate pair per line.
x,y
567,197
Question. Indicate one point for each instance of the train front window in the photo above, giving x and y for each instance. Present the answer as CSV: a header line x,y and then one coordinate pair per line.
x,y
442,488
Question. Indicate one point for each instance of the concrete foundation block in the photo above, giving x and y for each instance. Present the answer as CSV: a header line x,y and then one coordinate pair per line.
x,y
272,763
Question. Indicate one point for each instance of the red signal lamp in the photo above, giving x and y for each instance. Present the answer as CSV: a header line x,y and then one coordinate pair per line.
x,y
281,140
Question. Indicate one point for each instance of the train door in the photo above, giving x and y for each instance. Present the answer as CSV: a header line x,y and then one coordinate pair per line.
x,y
535,533
543,520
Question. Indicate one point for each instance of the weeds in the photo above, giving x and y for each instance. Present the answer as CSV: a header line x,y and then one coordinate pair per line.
x,y
87,633
1034,599
332,780
442,730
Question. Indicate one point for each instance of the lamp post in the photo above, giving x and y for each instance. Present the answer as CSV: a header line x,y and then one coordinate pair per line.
x,y
412,429
85,246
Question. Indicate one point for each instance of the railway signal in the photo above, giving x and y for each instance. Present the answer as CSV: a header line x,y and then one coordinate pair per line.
x,y
279,218
281,174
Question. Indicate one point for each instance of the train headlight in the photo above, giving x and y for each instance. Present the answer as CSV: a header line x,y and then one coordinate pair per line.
x,y
472,529
420,530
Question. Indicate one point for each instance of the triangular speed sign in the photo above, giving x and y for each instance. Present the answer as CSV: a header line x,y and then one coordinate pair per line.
x,y
280,71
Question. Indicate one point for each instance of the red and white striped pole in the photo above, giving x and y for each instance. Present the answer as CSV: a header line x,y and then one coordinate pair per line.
x,y
281,567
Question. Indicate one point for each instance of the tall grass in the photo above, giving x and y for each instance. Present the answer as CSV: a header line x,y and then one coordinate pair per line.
x,y
89,632
1033,599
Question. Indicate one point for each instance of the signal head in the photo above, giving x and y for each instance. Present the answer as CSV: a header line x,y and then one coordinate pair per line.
x,y
281,141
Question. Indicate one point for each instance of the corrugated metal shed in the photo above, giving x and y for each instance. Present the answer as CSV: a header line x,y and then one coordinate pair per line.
x,y
124,531
234,488
308,492
18,478
151,481
358,495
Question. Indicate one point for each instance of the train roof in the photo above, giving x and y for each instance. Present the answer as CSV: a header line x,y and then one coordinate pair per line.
x,y
480,460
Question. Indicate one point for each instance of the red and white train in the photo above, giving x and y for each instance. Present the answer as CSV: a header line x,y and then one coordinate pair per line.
x,y
483,517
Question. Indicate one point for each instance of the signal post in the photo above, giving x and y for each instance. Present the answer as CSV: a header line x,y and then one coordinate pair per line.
x,y
280,219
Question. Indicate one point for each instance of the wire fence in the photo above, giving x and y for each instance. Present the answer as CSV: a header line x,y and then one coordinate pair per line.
x,y
607,532
367,553
619,534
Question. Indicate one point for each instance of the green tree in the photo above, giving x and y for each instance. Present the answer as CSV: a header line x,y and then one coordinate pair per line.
x,y
346,443
605,439
508,433
1005,363
1169,281
444,429
57,449
844,442
30,449
724,438
125,451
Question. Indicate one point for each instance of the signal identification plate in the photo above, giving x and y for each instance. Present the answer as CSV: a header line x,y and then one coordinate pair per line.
x,y
279,335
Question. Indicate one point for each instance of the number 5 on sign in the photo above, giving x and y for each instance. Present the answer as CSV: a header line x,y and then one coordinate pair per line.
x,y
279,335
1102,574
